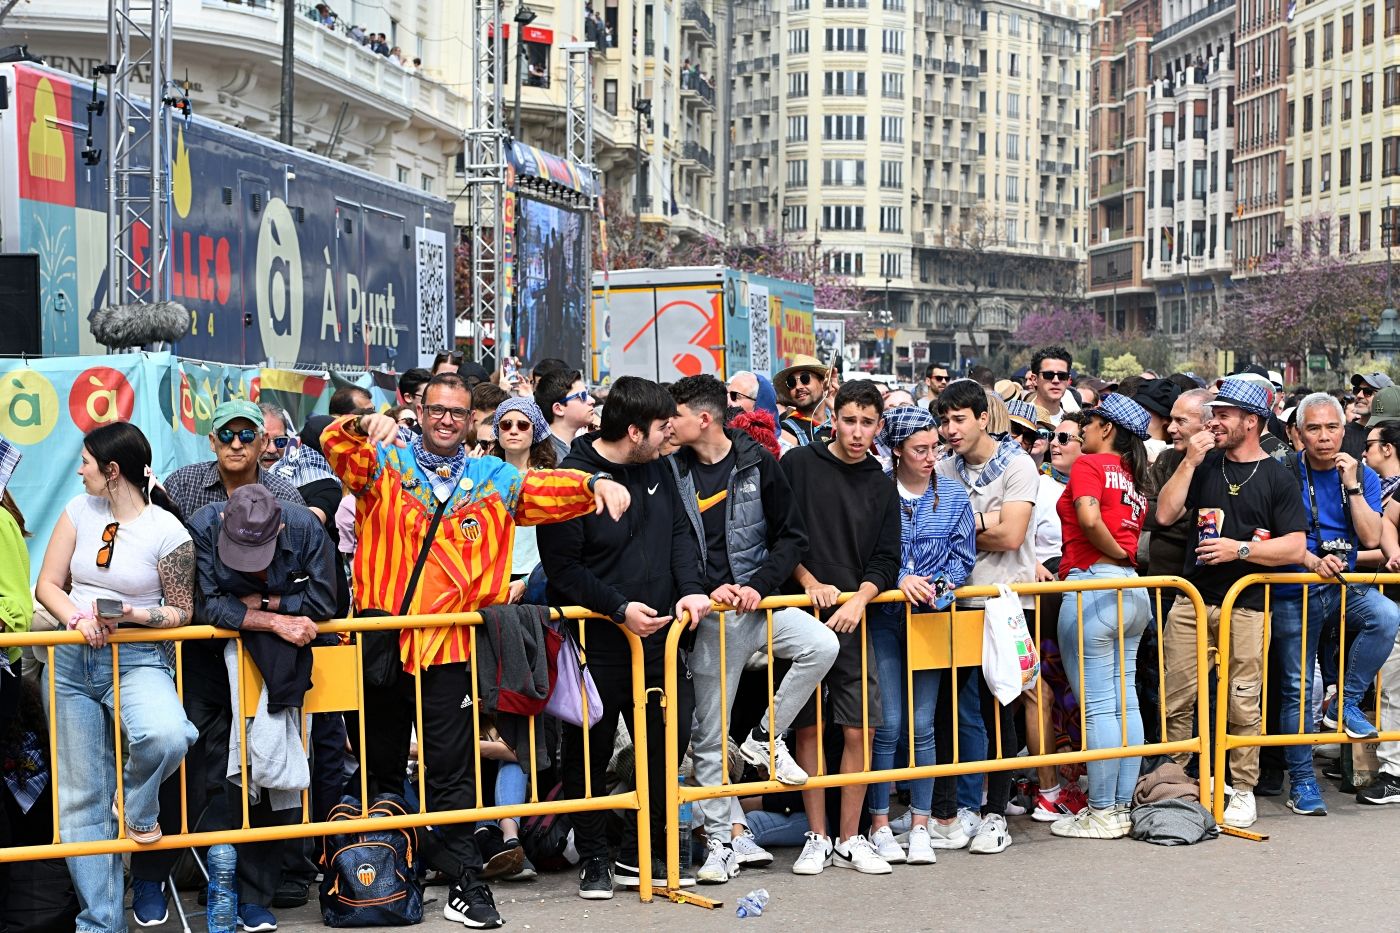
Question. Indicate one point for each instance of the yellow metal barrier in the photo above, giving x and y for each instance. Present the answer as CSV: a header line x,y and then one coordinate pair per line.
x,y
334,664
1225,740
946,640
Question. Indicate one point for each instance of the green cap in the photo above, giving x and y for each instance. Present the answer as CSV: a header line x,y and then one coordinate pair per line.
x,y
234,409
1385,406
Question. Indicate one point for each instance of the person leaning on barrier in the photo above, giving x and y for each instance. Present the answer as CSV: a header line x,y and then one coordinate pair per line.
x,y
399,485
1249,518
1342,500
852,547
121,540
1101,515
750,537
238,438
634,572
1001,481
938,549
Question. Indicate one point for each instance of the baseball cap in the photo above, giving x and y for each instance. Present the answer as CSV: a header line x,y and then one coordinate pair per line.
x,y
248,533
1158,396
234,409
1123,412
1374,380
1244,394
1385,406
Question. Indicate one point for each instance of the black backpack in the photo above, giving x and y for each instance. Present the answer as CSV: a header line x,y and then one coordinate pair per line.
x,y
545,837
369,879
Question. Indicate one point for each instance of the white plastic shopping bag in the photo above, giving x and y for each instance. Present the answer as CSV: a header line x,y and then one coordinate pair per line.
x,y
1010,662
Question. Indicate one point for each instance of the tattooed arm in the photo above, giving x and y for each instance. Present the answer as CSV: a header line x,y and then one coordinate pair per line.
x,y
176,571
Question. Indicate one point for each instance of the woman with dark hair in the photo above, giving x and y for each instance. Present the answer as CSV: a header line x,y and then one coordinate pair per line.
x,y
1101,514
523,441
131,564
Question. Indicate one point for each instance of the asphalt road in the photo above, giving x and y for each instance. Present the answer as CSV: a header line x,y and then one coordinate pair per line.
x,y
1332,873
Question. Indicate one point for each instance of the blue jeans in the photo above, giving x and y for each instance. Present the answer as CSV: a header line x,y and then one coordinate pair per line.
x,y
972,746
1371,621
157,735
889,640
777,829
1110,782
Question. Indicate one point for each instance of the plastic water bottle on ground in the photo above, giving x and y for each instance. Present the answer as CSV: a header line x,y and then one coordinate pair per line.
x,y
752,904
222,912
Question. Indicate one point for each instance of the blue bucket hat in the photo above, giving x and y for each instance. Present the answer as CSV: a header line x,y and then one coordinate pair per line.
x,y
1244,394
1124,412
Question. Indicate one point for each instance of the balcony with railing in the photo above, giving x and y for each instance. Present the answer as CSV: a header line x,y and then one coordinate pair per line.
x,y
695,19
692,151
697,90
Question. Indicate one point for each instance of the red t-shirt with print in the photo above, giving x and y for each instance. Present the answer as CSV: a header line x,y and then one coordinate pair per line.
x,y
1102,477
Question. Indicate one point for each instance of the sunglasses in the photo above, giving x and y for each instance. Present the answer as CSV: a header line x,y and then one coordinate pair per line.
x,y
735,396
438,412
109,544
1064,437
245,436
805,378
281,442
523,427
581,395
1055,375
939,378
1365,392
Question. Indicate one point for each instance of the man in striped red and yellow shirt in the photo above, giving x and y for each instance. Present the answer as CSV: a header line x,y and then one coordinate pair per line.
x,y
399,483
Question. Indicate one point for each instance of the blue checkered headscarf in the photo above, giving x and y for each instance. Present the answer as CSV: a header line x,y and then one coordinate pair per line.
x,y
528,408
901,422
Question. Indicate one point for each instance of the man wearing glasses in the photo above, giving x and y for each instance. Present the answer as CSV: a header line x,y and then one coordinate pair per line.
x,y
743,391
1366,385
935,381
239,440
1050,376
803,386
566,404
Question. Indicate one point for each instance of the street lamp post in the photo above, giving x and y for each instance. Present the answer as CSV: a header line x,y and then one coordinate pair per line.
x,y
524,16
641,109
886,318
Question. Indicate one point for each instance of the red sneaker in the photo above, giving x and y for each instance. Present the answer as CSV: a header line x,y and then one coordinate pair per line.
x,y
1069,802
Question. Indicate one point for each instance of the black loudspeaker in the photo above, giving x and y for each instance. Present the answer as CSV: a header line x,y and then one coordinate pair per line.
x,y
20,330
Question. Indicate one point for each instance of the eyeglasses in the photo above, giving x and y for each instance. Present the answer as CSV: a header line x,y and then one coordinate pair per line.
x,y
735,396
109,544
805,378
581,395
524,427
1055,375
939,378
1064,437
280,442
438,412
1364,391
921,452
245,436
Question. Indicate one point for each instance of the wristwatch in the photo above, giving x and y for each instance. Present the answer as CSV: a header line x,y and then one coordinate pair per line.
x,y
1243,552
266,603
619,615
1354,490
593,480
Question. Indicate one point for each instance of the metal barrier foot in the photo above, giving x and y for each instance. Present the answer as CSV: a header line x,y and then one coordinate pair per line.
x,y
679,896
1243,833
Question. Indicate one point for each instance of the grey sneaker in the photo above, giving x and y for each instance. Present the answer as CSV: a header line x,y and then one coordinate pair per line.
x,y
720,864
785,770
749,852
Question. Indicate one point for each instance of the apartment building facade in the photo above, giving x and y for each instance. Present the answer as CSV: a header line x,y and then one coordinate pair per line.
x,y
1190,167
1262,129
1342,175
1120,84
934,150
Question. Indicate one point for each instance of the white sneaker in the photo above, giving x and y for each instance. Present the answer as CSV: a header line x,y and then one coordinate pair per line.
x,y
902,823
1240,812
720,864
861,855
920,849
952,836
1090,824
886,847
749,852
1123,813
785,770
991,837
970,820
1332,751
816,855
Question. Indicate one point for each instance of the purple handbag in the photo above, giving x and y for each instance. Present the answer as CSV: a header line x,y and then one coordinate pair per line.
x,y
575,682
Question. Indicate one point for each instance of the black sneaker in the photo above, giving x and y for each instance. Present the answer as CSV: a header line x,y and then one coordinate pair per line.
x,y
471,903
627,876
595,880
499,860
1386,789
290,894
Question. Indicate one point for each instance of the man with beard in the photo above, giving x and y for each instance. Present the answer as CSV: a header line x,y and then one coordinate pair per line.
x,y
1049,376
803,385
636,572
1249,518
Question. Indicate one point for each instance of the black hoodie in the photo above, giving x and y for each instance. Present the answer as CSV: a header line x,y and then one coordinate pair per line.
x,y
852,513
648,556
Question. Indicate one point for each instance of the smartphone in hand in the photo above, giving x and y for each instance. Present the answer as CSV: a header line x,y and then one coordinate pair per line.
x,y
109,609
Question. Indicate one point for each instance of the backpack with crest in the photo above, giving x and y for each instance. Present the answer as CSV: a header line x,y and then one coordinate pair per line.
x,y
368,877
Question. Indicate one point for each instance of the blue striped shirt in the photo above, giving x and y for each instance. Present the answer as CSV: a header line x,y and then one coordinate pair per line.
x,y
938,541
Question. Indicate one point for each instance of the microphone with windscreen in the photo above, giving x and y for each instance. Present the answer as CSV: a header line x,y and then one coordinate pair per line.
x,y
124,326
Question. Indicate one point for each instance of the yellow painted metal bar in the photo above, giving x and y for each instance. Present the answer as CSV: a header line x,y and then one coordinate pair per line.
x,y
724,694
53,739
360,725
1161,667
908,682
1122,673
476,717
1039,683
772,714
242,722
640,763
120,800
184,775
673,758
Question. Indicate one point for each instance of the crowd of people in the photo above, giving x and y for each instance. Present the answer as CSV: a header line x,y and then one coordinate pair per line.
x,y
376,42
694,501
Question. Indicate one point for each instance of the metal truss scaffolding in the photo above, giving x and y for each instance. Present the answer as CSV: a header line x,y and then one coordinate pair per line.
x,y
578,148
485,165
138,41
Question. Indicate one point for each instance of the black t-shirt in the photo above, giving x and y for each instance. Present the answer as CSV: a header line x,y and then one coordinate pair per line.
x,y
1267,506
712,493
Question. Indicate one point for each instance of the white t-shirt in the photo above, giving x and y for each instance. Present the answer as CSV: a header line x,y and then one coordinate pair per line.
x,y
1049,541
131,576
1019,482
